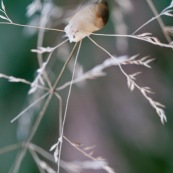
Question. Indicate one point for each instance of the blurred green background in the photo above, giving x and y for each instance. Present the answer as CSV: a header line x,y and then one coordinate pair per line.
x,y
103,112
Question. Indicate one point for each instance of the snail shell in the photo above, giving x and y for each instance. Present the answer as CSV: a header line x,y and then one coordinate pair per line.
x,y
89,19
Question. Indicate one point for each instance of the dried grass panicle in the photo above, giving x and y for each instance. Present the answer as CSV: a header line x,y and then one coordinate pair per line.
x,y
4,16
49,89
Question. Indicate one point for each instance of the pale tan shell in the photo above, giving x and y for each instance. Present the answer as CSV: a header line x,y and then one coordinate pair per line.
x,y
84,22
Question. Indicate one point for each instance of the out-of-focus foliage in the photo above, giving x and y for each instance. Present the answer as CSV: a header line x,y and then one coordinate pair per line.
x,y
102,112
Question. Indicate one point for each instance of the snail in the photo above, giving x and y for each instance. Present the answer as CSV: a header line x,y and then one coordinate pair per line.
x,y
88,19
